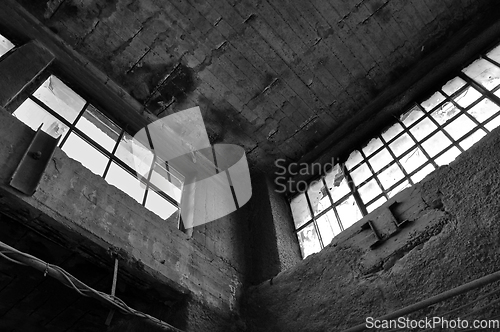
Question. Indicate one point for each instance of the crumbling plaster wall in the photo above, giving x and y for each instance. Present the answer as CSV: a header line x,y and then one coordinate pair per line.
x,y
452,237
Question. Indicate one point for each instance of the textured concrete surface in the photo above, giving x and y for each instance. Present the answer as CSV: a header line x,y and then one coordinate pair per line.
x,y
275,77
452,237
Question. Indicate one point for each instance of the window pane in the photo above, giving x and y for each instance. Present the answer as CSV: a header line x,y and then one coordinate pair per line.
x,y
300,210
493,123
413,160
354,158
318,197
78,149
126,182
433,101
5,45
380,160
413,115
483,72
360,174
348,212
98,127
328,227
445,112
308,240
167,183
61,99
405,184
453,86
337,183
469,141
494,54
392,132
437,143
423,128
135,155
467,97
483,110
422,173
159,205
448,156
372,146
390,176
376,204
369,191
33,115
460,126
401,144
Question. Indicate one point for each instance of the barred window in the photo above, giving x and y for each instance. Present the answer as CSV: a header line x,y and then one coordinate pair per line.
x,y
432,133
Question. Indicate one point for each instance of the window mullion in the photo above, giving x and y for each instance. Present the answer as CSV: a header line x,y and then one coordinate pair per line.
x,y
354,191
480,88
314,220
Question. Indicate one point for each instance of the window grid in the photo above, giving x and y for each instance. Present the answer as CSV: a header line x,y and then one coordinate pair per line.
x,y
111,156
448,146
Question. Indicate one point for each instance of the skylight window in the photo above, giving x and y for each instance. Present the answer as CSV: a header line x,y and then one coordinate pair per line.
x,y
5,45
430,134
88,136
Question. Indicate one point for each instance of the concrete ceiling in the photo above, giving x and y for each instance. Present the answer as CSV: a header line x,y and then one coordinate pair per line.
x,y
274,76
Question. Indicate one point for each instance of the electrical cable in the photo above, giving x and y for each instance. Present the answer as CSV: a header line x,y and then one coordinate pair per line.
x,y
18,257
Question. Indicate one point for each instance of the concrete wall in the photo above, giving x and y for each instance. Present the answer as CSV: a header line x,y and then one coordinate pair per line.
x,y
452,236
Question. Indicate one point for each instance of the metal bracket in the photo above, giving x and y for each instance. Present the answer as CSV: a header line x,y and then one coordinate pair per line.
x,y
28,173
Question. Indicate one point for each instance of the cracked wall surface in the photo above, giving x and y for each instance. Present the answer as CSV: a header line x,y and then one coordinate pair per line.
x,y
450,237
275,77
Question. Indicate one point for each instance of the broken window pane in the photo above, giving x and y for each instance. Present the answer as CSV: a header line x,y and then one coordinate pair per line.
x,y
483,72
493,123
380,160
354,158
369,191
392,132
337,183
159,205
422,173
348,212
360,174
448,156
494,54
300,210
445,112
135,154
467,97
376,204
413,160
309,241
60,98
453,85
126,182
413,115
390,176
437,143
78,149
423,128
5,45
33,115
472,139
318,197
433,101
98,127
372,146
460,126
328,227
401,144
484,110
405,184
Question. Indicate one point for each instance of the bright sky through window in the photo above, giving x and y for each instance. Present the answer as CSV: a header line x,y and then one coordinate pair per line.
x,y
5,45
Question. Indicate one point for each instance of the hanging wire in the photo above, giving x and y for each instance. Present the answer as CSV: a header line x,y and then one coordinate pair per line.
x,y
18,257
